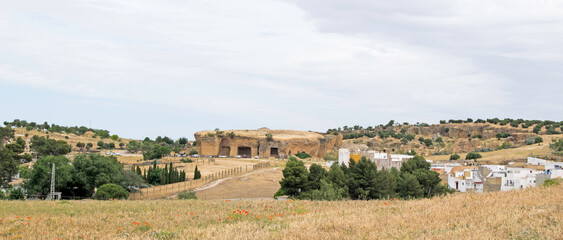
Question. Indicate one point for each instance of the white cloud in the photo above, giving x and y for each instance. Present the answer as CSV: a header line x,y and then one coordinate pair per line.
x,y
325,63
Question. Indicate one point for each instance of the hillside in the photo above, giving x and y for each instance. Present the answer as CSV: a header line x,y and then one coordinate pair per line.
x,y
535,213
440,140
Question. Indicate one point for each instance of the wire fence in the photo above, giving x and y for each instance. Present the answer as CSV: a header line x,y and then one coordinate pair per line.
x,y
175,188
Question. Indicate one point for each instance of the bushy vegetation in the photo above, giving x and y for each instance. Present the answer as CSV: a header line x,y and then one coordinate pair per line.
x,y
455,156
473,156
79,178
16,194
57,129
557,146
11,155
550,182
187,195
160,176
360,180
533,140
303,155
503,135
111,191
197,173
43,146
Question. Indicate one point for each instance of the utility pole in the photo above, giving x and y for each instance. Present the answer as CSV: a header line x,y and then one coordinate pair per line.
x,y
52,192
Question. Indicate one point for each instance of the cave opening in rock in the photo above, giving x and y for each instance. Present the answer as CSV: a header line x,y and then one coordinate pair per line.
x,y
274,152
244,151
225,151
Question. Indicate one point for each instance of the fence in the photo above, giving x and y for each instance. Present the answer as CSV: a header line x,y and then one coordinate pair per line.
x,y
174,188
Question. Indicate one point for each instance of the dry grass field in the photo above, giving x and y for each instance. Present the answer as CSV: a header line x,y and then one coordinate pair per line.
x,y
262,183
495,157
535,213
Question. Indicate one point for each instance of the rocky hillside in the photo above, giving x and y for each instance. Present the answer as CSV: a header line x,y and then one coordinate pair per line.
x,y
447,138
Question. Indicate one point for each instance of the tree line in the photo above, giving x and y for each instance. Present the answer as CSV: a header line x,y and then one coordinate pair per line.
x,y
57,128
161,176
384,131
361,181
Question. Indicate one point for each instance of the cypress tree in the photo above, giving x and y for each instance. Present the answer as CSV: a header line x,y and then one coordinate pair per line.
x,y
197,174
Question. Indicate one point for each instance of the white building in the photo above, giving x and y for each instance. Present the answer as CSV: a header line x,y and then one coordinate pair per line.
x,y
518,178
343,156
466,179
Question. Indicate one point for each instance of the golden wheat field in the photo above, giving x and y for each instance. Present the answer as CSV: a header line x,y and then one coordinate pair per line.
x,y
535,213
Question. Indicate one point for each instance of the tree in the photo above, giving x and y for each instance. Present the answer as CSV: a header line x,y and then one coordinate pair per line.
x,y
327,192
537,129
197,174
9,165
121,145
363,183
44,147
417,162
40,180
473,155
385,185
428,142
131,180
338,179
429,181
16,194
409,187
156,153
80,145
114,137
133,146
182,141
295,177
5,134
454,156
95,170
89,146
111,191
316,174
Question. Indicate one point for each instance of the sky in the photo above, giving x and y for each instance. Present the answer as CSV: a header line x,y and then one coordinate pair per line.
x,y
174,67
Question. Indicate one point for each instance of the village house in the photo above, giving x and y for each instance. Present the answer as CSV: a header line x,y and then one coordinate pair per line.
x,y
382,160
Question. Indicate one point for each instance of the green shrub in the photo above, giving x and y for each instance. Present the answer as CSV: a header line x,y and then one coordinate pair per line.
x,y
16,194
187,195
111,191
302,155
550,182
503,135
473,155
478,136
505,145
193,151
279,193
454,156
428,142
186,160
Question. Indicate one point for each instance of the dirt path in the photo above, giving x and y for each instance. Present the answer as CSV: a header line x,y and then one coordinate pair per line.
x,y
258,184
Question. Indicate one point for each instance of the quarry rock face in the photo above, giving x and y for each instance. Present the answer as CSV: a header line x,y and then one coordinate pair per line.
x,y
467,130
250,143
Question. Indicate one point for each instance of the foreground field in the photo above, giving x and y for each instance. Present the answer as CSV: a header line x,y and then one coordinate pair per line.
x,y
528,214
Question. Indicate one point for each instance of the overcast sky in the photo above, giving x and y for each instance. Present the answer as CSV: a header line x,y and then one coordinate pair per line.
x,y
174,67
